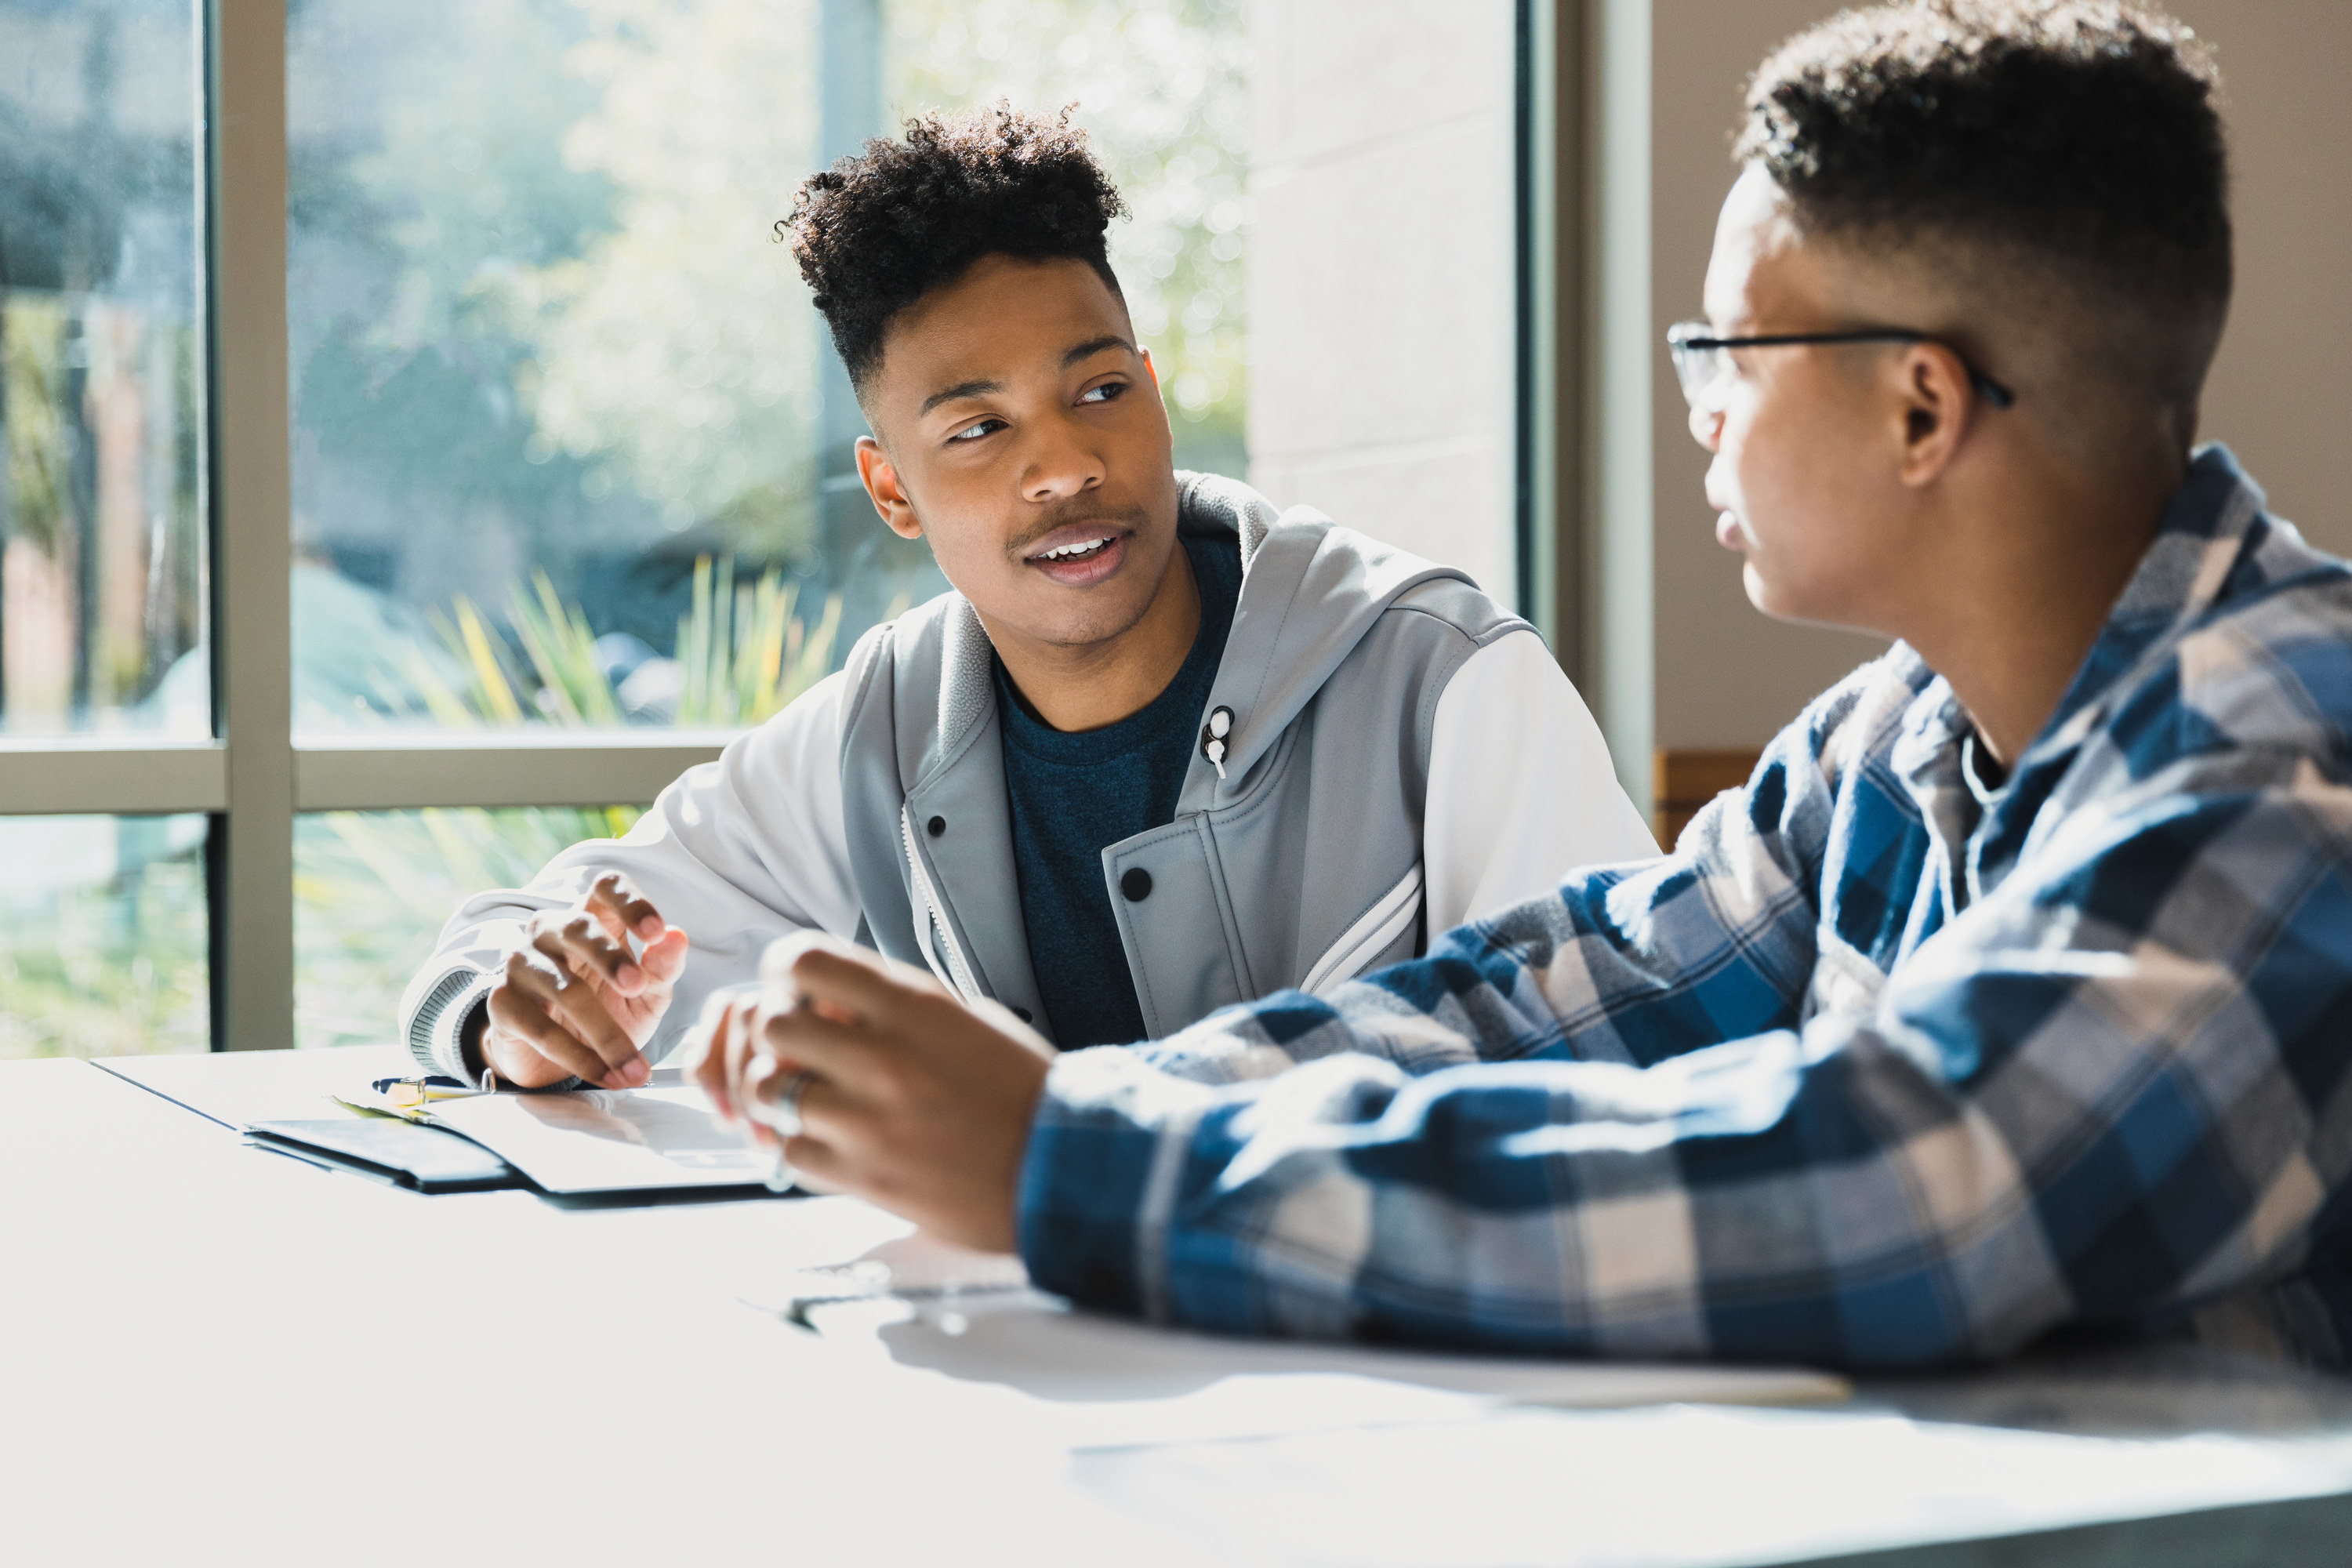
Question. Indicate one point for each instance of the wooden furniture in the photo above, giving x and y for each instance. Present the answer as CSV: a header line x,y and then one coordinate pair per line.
x,y
1686,778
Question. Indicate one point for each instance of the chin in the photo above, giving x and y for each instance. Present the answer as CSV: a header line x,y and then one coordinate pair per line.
x,y
1777,601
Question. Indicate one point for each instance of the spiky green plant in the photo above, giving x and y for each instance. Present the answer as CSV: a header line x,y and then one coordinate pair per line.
x,y
744,653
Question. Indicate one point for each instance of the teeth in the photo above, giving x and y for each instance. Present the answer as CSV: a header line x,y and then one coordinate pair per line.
x,y
1072,552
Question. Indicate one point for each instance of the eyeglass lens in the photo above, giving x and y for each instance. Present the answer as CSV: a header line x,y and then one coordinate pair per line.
x,y
1699,370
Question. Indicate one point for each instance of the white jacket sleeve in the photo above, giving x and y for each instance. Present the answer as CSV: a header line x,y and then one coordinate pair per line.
x,y
1521,789
736,853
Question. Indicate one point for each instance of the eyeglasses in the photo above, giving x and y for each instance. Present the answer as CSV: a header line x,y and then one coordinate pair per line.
x,y
1702,360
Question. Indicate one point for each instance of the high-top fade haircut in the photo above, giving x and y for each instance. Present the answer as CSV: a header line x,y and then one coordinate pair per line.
x,y
877,232
2059,158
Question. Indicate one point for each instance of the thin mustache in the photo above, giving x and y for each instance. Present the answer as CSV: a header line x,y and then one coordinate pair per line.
x,y
1132,519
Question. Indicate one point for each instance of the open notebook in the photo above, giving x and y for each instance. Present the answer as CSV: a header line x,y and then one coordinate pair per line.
x,y
589,1141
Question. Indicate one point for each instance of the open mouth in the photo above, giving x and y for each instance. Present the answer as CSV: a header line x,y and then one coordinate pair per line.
x,y
1080,556
1075,551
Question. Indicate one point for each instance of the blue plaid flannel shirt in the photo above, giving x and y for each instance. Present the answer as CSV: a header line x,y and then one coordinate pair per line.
x,y
1880,1068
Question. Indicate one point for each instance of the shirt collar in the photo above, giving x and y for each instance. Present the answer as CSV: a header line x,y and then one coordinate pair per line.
x,y
2201,536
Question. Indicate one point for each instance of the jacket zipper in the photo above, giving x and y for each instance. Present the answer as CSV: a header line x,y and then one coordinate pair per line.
x,y
957,974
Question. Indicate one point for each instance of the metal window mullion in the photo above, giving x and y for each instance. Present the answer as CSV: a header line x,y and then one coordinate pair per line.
x,y
1615,387
79,776
253,890
497,769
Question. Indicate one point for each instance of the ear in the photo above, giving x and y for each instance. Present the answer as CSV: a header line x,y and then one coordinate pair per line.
x,y
1938,403
883,488
1150,369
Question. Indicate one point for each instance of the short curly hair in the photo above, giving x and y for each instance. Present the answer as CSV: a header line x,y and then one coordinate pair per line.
x,y
2080,133
877,232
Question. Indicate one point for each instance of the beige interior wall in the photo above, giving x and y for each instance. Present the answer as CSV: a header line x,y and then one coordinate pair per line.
x,y
2281,392
1381,290
1725,675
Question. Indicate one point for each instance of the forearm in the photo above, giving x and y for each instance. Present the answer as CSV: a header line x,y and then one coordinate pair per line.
x,y
1538,1206
2105,1094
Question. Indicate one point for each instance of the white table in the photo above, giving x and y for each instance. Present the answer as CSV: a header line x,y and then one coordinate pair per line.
x,y
214,1352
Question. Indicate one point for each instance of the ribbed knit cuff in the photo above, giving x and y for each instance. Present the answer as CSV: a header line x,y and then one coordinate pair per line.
x,y
435,1028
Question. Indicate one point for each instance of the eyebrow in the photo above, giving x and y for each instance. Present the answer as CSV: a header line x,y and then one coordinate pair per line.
x,y
1090,349
1084,350
961,389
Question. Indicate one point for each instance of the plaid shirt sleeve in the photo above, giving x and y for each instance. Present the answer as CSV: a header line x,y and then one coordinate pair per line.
x,y
1597,1123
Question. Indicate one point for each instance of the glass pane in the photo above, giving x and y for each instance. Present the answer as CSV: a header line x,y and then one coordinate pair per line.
x,y
373,890
1163,89
569,444
102,552
103,945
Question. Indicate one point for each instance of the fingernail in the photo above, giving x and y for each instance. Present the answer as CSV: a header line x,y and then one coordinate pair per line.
x,y
627,974
650,926
636,1072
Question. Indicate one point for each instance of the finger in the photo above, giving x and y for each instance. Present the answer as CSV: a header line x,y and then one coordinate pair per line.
x,y
866,983
522,1016
578,940
617,902
695,1051
573,1004
726,1017
821,1167
742,1037
852,1054
664,959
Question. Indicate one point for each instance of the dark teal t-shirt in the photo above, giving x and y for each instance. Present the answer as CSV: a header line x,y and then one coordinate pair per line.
x,y
1075,795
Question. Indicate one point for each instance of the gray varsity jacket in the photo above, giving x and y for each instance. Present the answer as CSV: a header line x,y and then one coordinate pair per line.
x,y
1385,752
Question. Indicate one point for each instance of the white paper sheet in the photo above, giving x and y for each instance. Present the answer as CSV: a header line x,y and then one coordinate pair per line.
x,y
602,1141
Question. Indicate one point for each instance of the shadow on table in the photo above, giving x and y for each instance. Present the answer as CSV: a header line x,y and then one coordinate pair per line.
x,y
2163,1391
1036,1345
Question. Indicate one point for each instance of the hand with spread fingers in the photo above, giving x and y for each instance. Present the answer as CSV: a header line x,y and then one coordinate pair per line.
x,y
579,998
880,1083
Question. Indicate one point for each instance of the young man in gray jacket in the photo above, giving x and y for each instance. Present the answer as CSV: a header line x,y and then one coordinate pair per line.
x,y
1163,749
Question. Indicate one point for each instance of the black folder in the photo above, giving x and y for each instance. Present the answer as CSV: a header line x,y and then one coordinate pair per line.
x,y
383,1149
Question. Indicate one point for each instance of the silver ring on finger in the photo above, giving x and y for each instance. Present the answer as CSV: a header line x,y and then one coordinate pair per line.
x,y
784,1112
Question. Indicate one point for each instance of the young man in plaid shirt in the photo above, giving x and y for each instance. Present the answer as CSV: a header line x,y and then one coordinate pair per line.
x,y
2015,989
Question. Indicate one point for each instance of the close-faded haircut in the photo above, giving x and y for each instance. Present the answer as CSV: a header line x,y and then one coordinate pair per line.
x,y
2079,139
877,232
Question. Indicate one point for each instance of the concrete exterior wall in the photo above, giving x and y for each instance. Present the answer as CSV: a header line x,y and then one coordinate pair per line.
x,y
1380,285
1728,677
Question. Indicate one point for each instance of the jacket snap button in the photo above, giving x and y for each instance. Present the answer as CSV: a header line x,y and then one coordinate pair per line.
x,y
1023,1014
1136,884
936,826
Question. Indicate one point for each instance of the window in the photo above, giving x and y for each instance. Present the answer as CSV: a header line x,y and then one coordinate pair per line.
x,y
529,476
103,555
103,947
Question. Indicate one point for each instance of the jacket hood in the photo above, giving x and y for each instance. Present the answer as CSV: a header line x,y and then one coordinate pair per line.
x,y
1310,590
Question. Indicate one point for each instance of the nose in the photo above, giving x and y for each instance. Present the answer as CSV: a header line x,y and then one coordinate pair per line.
x,y
1061,464
1706,426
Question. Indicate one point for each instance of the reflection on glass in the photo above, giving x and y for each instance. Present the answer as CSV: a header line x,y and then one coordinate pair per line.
x,y
101,537
102,936
570,445
373,890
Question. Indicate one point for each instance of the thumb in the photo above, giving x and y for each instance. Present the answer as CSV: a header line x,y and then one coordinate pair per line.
x,y
664,959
